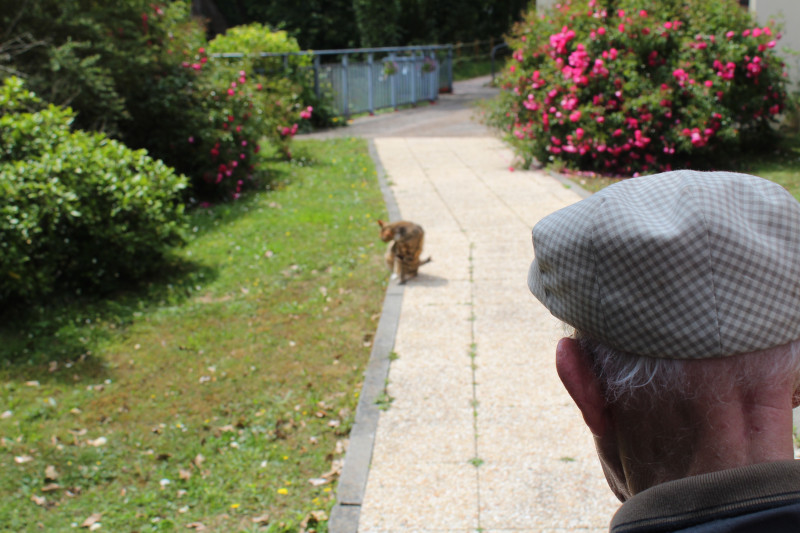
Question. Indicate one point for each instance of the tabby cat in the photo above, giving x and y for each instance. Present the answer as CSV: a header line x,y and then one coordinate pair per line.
x,y
405,246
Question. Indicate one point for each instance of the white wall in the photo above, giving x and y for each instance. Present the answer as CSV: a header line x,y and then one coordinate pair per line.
x,y
786,12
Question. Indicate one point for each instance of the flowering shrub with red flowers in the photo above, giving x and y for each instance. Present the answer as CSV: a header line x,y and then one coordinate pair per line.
x,y
627,86
219,141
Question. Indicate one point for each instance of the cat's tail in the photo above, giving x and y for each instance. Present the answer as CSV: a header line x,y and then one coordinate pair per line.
x,y
428,260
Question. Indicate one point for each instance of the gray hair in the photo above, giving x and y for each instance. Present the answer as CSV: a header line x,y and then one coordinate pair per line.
x,y
626,377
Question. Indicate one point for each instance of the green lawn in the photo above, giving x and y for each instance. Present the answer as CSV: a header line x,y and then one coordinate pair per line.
x,y
215,393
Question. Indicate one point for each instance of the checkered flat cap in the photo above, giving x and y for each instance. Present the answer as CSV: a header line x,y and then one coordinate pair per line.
x,y
680,265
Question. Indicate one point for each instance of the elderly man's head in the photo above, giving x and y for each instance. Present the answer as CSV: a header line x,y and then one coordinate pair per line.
x,y
684,291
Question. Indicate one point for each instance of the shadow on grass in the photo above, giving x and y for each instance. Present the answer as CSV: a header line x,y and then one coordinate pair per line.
x,y
65,330
70,329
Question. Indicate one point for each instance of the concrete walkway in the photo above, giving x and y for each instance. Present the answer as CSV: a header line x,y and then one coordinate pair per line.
x,y
479,434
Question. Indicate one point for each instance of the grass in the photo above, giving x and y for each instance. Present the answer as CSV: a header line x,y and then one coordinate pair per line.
x,y
471,67
214,393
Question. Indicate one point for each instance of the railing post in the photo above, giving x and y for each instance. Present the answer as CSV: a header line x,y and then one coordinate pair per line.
x,y
317,67
450,69
345,89
370,88
393,78
434,83
413,77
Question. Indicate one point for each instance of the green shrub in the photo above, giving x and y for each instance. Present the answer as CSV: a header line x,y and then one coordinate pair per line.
x,y
630,86
76,209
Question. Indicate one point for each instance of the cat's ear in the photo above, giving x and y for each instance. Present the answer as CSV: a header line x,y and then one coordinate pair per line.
x,y
381,223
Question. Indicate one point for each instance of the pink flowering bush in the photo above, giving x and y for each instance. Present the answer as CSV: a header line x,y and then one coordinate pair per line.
x,y
643,87
213,116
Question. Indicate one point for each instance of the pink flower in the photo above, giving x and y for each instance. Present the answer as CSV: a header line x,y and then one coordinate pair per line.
x,y
579,133
306,113
745,33
559,40
530,104
668,25
231,92
730,35
621,28
642,13
601,31
575,116
600,119
708,83
569,102
191,140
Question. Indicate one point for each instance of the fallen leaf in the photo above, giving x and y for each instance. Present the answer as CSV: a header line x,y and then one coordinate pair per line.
x,y
197,526
198,460
50,487
318,481
7,414
334,423
341,447
262,520
32,383
185,475
78,432
99,441
39,500
22,459
92,520
50,473
314,517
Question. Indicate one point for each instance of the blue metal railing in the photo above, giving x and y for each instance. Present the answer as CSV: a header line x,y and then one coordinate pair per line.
x,y
368,79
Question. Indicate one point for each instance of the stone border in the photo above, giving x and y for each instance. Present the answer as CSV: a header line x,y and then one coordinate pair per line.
x,y
353,479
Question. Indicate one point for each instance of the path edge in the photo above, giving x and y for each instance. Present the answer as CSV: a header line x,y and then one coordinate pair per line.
x,y
353,479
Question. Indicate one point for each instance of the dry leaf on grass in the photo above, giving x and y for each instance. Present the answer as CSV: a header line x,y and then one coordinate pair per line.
x,y
22,459
99,441
50,473
262,520
92,520
39,500
185,475
50,487
197,526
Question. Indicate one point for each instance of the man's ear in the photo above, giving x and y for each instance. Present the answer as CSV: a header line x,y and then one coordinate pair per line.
x,y
574,369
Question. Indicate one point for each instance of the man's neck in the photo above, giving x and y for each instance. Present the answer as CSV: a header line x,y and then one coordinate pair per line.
x,y
728,435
